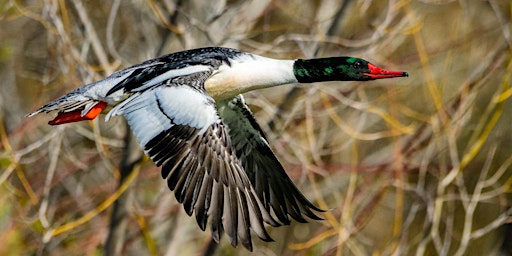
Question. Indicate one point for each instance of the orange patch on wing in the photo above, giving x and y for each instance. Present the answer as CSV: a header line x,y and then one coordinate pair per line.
x,y
76,115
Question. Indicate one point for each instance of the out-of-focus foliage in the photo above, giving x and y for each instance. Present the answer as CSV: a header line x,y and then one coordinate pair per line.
x,y
418,165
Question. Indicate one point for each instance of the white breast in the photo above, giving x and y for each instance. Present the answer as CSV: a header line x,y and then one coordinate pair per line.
x,y
247,73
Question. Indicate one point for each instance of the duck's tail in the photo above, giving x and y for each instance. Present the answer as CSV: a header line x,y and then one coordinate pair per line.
x,y
72,107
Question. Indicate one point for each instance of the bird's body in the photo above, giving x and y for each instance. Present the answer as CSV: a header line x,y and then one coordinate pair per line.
x,y
187,113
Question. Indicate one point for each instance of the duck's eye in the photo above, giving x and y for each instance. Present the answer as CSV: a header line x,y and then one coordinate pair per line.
x,y
358,64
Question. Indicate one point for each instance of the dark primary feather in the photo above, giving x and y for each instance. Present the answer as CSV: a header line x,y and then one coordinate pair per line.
x,y
215,186
264,170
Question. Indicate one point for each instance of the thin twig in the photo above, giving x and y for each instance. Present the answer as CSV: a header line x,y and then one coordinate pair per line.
x,y
296,91
93,36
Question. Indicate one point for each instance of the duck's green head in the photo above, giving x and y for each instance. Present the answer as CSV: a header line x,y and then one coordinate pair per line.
x,y
340,69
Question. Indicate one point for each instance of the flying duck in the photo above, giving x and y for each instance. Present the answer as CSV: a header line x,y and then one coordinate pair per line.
x,y
188,115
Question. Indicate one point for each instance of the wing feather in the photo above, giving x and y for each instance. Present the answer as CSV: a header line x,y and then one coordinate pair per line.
x,y
203,201
179,128
266,174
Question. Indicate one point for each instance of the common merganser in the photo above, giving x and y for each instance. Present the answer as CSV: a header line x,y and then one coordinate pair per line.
x,y
188,115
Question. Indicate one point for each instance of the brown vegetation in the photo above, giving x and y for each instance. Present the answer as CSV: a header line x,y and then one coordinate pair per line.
x,y
418,165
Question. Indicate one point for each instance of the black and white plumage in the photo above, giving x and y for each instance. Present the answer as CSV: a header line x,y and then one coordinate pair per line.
x,y
186,111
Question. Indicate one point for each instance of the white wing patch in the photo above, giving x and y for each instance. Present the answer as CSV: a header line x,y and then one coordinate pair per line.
x,y
143,115
188,107
151,112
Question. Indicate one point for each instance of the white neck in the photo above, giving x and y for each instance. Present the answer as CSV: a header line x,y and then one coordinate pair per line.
x,y
247,73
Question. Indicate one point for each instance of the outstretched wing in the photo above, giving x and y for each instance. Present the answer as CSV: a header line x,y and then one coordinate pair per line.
x,y
178,127
264,170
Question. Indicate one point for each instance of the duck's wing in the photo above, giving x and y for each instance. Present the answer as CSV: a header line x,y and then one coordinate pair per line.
x,y
264,170
178,126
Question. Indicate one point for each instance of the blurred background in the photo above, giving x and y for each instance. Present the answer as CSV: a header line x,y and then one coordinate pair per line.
x,y
407,166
